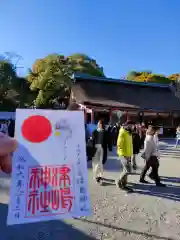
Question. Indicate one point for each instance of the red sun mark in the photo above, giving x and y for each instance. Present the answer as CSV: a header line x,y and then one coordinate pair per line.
x,y
36,129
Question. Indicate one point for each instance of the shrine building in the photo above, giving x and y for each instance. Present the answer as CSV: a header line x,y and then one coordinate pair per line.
x,y
153,103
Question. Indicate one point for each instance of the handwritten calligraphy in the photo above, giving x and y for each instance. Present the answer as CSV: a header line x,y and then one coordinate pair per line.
x,y
80,181
65,127
49,191
19,185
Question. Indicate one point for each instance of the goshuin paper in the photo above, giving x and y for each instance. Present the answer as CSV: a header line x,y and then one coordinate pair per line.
x,y
49,172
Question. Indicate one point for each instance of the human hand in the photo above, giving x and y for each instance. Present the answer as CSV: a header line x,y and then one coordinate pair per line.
x,y
7,146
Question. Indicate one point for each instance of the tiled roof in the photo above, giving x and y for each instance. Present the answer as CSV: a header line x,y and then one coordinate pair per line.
x,y
80,76
125,95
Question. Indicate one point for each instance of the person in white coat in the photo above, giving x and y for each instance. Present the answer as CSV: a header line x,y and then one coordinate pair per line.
x,y
156,140
177,135
151,156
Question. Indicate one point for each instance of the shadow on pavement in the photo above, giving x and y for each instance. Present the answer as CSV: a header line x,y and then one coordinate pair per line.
x,y
170,179
52,230
170,192
170,150
111,165
168,141
170,156
146,235
164,178
170,153
108,182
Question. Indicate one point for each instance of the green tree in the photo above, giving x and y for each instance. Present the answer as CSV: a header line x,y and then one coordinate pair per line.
x,y
7,79
174,77
14,91
50,77
133,75
84,64
24,96
154,78
148,76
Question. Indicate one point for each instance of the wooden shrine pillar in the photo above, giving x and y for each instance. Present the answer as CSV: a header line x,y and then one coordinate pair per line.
x,y
110,115
141,117
85,116
127,116
92,116
172,119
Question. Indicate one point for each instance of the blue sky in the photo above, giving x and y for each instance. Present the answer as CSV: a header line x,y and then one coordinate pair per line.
x,y
122,35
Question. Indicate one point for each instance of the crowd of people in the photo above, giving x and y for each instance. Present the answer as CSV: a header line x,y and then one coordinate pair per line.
x,y
129,139
7,127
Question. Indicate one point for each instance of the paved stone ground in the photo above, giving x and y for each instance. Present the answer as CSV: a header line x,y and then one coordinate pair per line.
x,y
148,213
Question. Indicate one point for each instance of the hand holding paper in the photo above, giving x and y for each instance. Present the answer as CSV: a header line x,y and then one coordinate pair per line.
x,y
7,146
49,176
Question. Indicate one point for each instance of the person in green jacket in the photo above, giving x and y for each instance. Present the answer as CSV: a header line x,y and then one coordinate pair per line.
x,y
125,152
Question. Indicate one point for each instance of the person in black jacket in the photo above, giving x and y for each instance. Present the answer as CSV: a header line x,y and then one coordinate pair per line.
x,y
136,147
101,143
90,150
11,128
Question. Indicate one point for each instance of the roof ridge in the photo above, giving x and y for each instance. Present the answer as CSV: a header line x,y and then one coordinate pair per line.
x,y
122,81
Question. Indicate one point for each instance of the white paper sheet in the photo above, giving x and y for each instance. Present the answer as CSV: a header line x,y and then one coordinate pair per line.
x,y
49,176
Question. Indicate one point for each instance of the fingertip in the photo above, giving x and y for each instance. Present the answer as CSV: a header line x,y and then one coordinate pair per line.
x,y
14,144
2,134
7,145
6,164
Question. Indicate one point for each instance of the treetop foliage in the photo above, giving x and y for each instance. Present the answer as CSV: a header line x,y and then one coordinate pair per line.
x,y
148,76
49,81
